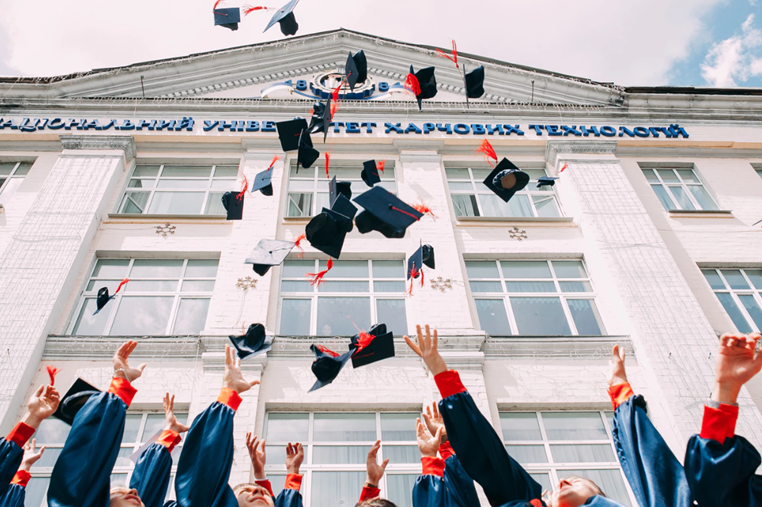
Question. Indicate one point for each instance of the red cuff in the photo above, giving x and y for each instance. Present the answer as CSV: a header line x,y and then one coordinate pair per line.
x,y
21,478
265,484
230,398
446,450
619,393
123,389
719,423
20,434
368,493
433,466
449,383
169,439
293,481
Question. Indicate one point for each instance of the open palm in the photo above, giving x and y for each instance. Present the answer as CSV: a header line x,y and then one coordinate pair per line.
x,y
736,363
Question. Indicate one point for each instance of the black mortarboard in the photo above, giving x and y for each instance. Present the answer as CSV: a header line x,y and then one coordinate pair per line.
x,y
345,207
337,188
356,69
424,256
475,82
254,342
103,296
546,181
228,17
263,182
285,16
233,204
427,82
506,174
307,155
326,232
369,173
321,118
376,345
290,132
327,365
74,399
387,209
367,223
269,253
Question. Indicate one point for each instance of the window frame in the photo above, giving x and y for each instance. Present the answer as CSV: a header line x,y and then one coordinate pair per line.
x,y
13,175
756,293
666,187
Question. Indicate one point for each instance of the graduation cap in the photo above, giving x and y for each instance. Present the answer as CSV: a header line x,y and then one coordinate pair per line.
x,y
263,182
290,133
375,345
254,342
356,69
327,365
307,155
233,202
424,256
74,399
506,179
269,253
546,181
474,82
321,118
228,17
103,296
384,212
285,16
422,83
326,231
345,207
369,173
337,188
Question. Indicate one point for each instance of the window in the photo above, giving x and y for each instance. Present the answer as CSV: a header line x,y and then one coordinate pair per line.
x,y
740,292
759,172
679,189
359,293
11,176
139,428
547,298
555,445
336,446
472,198
178,189
163,297
308,189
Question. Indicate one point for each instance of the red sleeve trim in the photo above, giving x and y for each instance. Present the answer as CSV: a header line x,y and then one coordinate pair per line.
x,y
433,466
293,481
265,484
21,478
619,393
446,450
123,389
230,398
369,493
449,383
20,434
169,439
719,423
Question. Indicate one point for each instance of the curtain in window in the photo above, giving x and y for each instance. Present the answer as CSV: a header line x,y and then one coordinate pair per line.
x,y
465,205
585,316
336,488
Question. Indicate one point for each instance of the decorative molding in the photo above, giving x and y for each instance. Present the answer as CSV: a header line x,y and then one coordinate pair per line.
x,y
441,284
165,229
99,142
560,347
597,147
518,234
246,283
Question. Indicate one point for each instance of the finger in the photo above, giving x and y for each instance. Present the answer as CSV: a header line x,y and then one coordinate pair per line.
x,y
33,444
427,419
438,436
419,335
724,339
39,391
436,340
615,351
383,465
42,449
300,449
435,407
413,346
427,338
228,359
238,363
254,383
120,352
142,367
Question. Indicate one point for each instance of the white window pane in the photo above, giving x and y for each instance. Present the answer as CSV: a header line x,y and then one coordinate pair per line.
x,y
226,171
176,184
460,186
388,269
530,286
574,426
664,197
344,286
301,186
399,488
580,453
111,268
526,454
486,287
214,204
89,324
482,269
191,316
585,315
333,316
154,424
118,480
465,205
755,275
297,269
49,458
344,428
546,206
520,426
52,431
493,206
141,183
346,269
735,279
35,491
134,202
492,316
649,174
6,168
480,175
340,454
294,286
518,206
543,479
111,285
569,269
131,427
688,176
146,170
336,488
610,481
576,287
202,268
287,427
142,315
295,317
681,198
398,427
402,454
702,197
667,175
173,171
299,205
752,308
276,454
457,174
535,174
392,313
540,316
177,203
389,286
323,200
713,278
228,185
733,312
150,286
123,457
157,268
526,269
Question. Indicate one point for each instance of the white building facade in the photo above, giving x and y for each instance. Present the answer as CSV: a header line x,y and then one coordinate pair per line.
x,y
645,240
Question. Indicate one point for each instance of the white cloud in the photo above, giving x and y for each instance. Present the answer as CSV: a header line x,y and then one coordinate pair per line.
x,y
734,59
627,42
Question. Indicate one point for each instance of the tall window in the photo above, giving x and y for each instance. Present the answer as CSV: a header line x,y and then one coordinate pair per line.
x,y
534,298
359,293
139,428
759,172
471,198
336,446
555,445
740,292
163,297
679,189
11,176
308,189
178,189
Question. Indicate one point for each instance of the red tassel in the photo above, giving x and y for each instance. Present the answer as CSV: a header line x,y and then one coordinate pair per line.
x,y
335,94
422,276
364,341
328,351
487,150
563,168
248,10
422,208
298,245
405,212
327,162
275,159
52,372
243,190
120,286
454,57
218,2
380,165
334,108
412,84
317,278
413,274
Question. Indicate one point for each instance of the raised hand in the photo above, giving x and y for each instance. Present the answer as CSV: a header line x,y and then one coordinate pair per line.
x,y
617,373
374,470
42,404
434,421
258,456
294,457
233,378
735,365
30,455
121,367
427,348
428,444
169,415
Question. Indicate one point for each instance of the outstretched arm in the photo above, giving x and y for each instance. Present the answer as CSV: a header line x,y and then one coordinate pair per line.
x,y
374,473
290,496
16,493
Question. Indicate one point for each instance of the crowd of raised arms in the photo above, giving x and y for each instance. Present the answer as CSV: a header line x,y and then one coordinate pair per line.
x,y
458,447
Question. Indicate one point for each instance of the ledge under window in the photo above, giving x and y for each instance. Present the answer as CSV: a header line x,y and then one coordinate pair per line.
x,y
700,213
517,219
153,217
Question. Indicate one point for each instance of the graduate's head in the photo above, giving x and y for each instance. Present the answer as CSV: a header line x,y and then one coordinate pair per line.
x,y
574,491
377,502
125,497
253,495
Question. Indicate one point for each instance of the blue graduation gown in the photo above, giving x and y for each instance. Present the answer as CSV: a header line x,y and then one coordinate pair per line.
x,y
453,489
14,496
11,454
152,474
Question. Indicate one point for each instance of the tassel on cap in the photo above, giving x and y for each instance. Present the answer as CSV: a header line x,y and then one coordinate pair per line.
x,y
272,164
412,84
563,168
487,150
317,278
121,284
454,57
52,372
380,165
326,350
422,208
298,244
243,190
247,9
327,162
218,2
365,338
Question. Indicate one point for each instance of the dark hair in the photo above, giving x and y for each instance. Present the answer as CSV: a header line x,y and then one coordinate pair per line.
x,y
377,502
597,488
